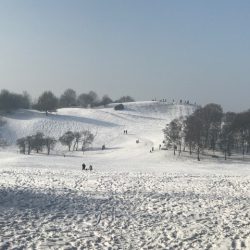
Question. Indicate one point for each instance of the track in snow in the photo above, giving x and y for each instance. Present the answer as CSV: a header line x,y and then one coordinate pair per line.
x,y
132,199
53,209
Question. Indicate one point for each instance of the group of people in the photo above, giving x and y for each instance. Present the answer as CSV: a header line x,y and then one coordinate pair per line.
x,y
85,168
125,132
173,101
163,100
152,149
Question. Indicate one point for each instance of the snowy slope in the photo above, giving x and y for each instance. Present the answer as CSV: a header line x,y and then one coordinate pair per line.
x,y
140,118
132,200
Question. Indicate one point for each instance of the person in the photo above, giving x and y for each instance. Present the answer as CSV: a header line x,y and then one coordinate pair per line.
x,y
160,147
103,147
83,166
152,149
90,168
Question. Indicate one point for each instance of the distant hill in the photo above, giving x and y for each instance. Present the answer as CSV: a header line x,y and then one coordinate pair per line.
x,y
140,118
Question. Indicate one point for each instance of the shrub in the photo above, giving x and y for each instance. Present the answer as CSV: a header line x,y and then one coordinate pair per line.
x,y
119,107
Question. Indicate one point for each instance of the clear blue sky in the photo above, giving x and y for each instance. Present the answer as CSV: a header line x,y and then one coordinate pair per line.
x,y
197,50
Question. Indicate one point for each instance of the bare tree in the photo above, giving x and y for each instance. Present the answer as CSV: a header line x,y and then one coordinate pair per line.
x,y
35,142
105,100
11,101
25,144
93,98
173,134
38,142
21,143
47,102
67,139
3,142
78,136
241,126
194,131
29,141
68,98
87,139
49,143
90,99
2,121
125,99
211,114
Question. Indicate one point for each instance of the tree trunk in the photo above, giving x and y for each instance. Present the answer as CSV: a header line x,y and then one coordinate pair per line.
x,y
228,150
198,155
74,147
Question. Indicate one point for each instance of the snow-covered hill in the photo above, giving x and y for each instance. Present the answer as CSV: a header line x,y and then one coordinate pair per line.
x,y
133,199
139,118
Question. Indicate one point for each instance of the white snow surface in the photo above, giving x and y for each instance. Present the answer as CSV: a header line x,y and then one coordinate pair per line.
x,y
132,199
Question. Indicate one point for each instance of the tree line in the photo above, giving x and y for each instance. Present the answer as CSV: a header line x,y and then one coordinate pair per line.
x,y
11,101
3,142
208,128
72,140
47,101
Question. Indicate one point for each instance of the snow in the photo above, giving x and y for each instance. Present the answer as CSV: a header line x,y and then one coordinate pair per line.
x,y
132,200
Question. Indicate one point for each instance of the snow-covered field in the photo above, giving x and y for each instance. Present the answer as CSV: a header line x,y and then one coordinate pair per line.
x,y
132,200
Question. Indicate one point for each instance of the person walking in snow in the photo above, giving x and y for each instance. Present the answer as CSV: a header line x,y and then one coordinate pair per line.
x,y
90,168
83,166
